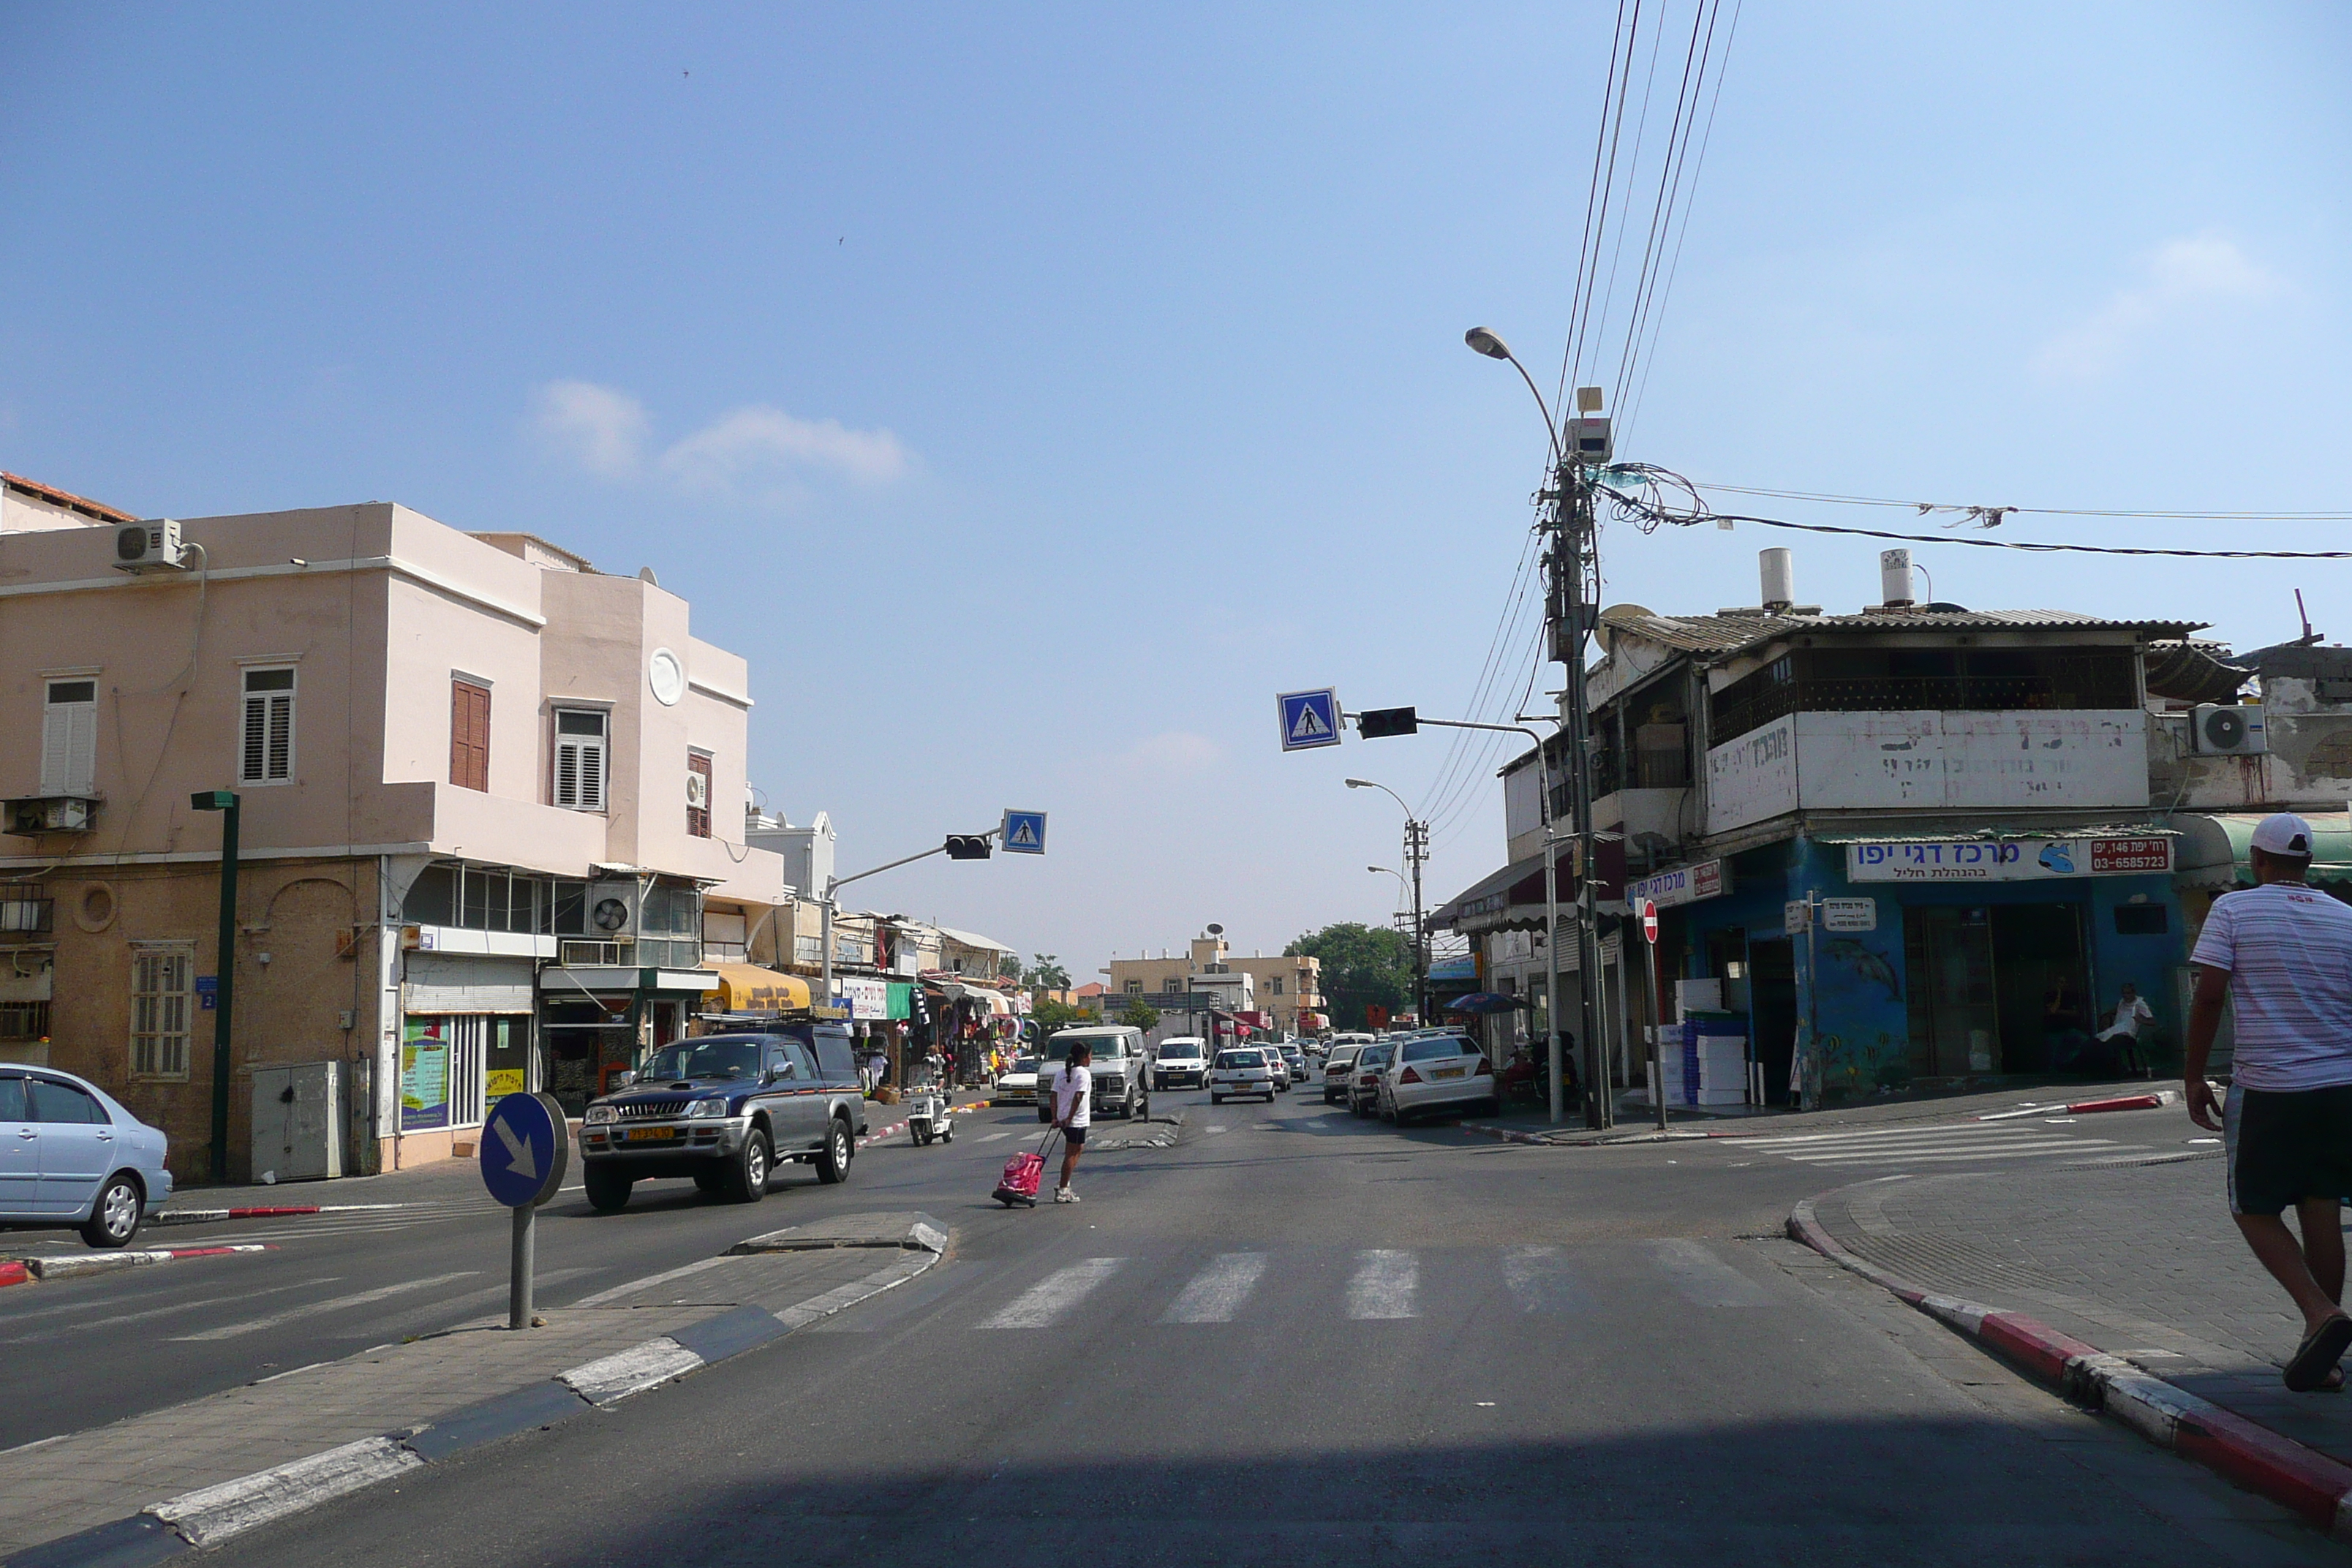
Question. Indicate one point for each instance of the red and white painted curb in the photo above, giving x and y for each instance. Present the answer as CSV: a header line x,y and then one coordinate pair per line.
x,y
283,1211
2154,1098
2301,1479
78,1264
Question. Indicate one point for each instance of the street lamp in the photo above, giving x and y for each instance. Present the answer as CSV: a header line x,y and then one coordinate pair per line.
x,y
1416,853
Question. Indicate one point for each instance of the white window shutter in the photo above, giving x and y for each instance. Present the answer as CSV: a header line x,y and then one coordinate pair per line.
x,y
567,775
591,777
281,735
254,747
56,729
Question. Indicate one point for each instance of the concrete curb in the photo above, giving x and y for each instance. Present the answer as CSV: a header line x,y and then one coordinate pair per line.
x,y
75,1268
210,1515
2310,1483
286,1211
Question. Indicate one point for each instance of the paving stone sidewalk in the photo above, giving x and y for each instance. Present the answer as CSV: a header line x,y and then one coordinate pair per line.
x,y
2142,1261
63,1485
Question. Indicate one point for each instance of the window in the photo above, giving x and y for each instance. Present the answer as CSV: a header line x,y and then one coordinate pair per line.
x,y
24,1021
162,982
698,795
469,735
266,748
580,759
1135,988
55,1100
69,738
1274,985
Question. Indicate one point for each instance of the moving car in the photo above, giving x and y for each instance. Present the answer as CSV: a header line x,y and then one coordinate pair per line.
x,y
1294,1062
727,1109
1181,1062
1280,1069
1016,1085
1244,1070
1338,1067
70,1157
1118,1067
1436,1072
1364,1075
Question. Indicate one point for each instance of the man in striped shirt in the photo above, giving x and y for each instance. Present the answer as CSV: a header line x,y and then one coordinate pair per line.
x,y
2282,953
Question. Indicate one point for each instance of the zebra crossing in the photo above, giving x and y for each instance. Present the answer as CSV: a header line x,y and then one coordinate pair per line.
x,y
1370,1286
1948,1146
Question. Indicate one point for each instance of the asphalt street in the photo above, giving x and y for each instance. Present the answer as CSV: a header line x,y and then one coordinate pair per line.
x,y
1294,1336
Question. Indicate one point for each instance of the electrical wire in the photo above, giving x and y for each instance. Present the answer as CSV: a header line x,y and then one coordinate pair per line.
x,y
1926,506
1496,647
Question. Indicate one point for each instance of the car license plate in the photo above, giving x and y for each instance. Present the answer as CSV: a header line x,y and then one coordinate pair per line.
x,y
1447,1072
648,1134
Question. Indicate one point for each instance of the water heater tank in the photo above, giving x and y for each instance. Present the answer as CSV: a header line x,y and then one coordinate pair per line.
x,y
1779,571
1895,576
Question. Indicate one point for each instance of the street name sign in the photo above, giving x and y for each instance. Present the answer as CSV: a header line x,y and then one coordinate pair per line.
x,y
1849,914
1024,833
1309,718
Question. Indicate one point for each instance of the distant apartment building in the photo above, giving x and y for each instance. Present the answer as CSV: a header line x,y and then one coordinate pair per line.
x,y
1285,994
487,799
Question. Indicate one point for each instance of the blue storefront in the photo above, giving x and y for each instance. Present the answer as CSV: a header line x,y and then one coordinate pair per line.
x,y
1887,962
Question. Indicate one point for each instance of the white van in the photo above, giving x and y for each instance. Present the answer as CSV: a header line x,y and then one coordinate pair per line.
x,y
1180,1062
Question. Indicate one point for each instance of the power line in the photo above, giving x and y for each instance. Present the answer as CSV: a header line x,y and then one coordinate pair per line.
x,y
1925,508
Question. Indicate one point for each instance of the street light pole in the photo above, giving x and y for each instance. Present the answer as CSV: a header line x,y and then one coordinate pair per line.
x,y
1416,854
223,969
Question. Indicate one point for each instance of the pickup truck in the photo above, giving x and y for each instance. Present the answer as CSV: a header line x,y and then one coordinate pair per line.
x,y
728,1110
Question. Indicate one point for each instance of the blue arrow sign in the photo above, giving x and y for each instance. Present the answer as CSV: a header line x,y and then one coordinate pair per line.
x,y
525,1147
1024,833
1309,718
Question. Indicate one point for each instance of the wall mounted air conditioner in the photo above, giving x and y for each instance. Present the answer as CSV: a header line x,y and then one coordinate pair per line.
x,y
697,791
149,546
51,814
2227,729
570,953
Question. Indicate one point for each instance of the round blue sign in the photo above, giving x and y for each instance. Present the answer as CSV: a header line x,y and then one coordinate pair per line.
x,y
525,1148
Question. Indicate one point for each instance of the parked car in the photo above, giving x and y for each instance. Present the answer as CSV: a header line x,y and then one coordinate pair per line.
x,y
1436,1072
1244,1069
71,1157
1339,1066
1294,1062
727,1109
1364,1075
1016,1085
1181,1062
1118,1067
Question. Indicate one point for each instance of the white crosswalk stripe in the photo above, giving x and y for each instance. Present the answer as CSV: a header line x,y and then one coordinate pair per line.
x,y
1384,1286
1959,1143
1218,1292
1058,1293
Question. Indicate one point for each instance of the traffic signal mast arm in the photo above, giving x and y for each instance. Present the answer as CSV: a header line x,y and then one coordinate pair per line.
x,y
834,885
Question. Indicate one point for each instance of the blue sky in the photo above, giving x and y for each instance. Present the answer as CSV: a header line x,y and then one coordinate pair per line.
x,y
1033,392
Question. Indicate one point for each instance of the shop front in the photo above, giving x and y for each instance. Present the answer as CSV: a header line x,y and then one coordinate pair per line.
x,y
596,1020
464,1044
1864,963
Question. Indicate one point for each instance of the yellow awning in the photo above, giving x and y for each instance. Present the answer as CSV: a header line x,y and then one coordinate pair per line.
x,y
748,988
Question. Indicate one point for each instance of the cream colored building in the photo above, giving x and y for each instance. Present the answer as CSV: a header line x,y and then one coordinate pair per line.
x,y
487,793
1281,987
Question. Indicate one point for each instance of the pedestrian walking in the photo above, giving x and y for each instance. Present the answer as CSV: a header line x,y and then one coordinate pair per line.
x,y
2281,953
2122,1033
1074,1091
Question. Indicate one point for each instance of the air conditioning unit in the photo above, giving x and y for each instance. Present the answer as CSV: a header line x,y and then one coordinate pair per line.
x,y
697,791
571,953
2227,729
614,911
51,814
149,546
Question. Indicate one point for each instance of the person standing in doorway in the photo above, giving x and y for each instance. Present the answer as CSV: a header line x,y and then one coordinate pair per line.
x,y
2281,953
1074,1091
2122,1034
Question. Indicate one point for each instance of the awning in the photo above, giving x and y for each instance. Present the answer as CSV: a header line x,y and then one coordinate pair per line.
x,y
748,988
2212,850
1513,898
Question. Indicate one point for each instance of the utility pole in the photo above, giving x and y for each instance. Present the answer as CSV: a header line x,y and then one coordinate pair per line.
x,y
1416,850
225,802
1573,562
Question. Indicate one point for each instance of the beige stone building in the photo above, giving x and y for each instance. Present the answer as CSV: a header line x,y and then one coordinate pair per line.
x,y
487,799
1288,991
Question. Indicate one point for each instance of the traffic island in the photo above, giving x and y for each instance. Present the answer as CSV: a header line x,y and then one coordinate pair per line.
x,y
385,1412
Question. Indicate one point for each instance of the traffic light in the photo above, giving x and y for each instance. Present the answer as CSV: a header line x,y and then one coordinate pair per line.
x,y
1374,722
967,846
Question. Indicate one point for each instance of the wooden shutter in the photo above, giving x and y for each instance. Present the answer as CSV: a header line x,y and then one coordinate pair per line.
x,y
69,747
697,817
469,735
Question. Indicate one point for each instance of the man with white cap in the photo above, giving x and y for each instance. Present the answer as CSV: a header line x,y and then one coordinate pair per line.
x,y
2282,953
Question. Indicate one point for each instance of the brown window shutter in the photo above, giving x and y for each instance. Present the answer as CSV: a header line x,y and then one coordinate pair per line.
x,y
469,735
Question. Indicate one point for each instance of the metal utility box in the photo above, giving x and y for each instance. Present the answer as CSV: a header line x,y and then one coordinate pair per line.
x,y
298,1122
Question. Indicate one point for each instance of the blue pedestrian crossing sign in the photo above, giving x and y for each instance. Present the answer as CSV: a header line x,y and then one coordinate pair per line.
x,y
1024,833
1309,718
525,1147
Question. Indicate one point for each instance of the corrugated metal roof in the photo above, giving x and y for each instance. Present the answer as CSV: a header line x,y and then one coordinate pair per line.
x,y
1722,634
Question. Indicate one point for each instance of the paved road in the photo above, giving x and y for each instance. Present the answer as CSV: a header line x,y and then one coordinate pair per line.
x,y
1298,1337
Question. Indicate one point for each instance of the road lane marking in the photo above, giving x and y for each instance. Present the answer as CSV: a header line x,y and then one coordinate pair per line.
x,y
1384,1286
122,1318
1701,1277
1218,1292
314,1308
1541,1282
1058,1293
2036,1152
1213,1130
994,1136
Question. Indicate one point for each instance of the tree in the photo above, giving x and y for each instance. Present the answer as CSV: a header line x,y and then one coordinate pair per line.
x,y
1046,974
1364,966
1140,1014
1051,1015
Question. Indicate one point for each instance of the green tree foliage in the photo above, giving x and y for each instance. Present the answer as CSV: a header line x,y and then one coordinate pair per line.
x,y
1051,1015
1045,972
1140,1014
1364,966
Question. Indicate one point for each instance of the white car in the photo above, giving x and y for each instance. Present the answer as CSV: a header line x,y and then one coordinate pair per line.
x,y
1338,1067
1180,1062
1435,1074
1244,1070
1017,1085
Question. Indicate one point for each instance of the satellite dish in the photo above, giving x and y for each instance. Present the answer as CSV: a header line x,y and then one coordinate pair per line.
x,y
1601,632
1216,929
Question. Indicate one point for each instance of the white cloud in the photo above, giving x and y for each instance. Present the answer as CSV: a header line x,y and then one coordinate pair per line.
x,y
2181,276
599,428
1175,751
759,445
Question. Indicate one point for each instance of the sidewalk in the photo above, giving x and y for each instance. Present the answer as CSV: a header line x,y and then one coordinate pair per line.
x,y
2143,1262
215,1466
1635,1123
